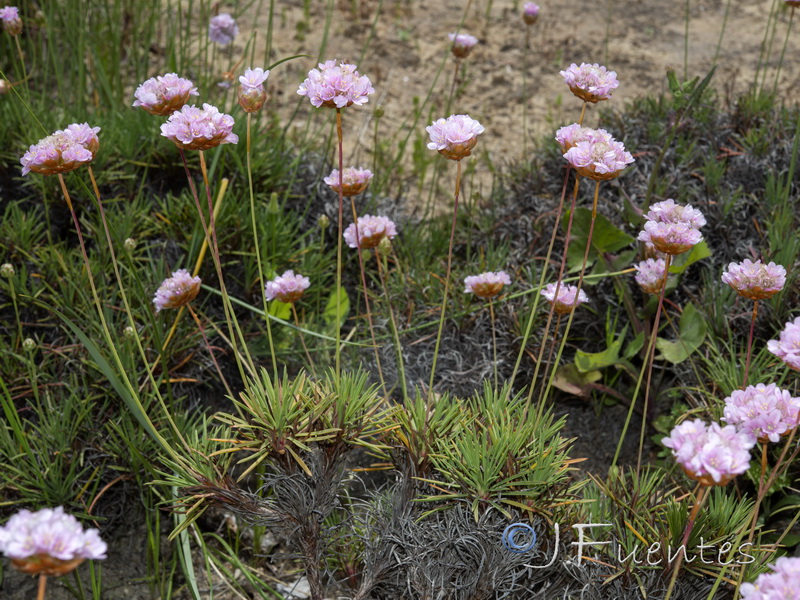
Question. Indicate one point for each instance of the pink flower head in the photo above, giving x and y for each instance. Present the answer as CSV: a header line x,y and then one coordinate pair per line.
x,y
336,86
566,301
12,24
49,542
192,128
455,136
672,228
222,29
755,280
781,584
486,284
462,44
599,156
669,211
164,94
570,135
354,180
177,291
286,288
712,455
765,411
590,83
787,348
63,151
650,275
252,94
371,230
530,13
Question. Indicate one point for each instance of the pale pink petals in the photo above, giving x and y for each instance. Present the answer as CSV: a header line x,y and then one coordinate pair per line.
x,y
288,287
164,94
336,86
177,291
486,285
192,128
454,137
755,280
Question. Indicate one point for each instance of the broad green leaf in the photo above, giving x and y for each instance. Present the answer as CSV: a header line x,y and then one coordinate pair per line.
x,y
635,345
592,361
281,310
684,261
606,237
692,332
330,315
569,379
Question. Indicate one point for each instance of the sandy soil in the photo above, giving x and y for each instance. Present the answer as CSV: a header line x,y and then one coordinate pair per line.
x,y
501,80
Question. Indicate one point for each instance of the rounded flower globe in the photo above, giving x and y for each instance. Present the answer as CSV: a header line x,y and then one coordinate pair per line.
x,y
354,180
177,291
371,230
63,151
334,85
192,128
590,83
164,94
568,298
455,136
486,285
287,288
755,280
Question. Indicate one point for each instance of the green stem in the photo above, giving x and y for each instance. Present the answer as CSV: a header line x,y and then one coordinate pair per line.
x,y
702,495
258,251
395,332
338,327
750,343
446,279
783,52
722,31
540,409
686,43
650,361
494,343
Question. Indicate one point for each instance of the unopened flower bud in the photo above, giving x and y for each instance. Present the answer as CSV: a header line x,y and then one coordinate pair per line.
x,y
273,208
130,244
4,87
323,222
129,332
379,111
28,345
12,24
7,270
385,247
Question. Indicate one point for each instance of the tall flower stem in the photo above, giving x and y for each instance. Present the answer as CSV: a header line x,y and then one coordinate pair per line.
x,y
555,339
22,61
446,279
258,250
211,239
210,351
303,341
561,269
145,419
494,342
366,294
701,497
128,311
543,400
16,311
42,587
542,276
337,350
583,113
750,343
783,52
650,360
395,332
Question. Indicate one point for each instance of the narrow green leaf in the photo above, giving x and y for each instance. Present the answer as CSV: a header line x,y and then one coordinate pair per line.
x,y
329,314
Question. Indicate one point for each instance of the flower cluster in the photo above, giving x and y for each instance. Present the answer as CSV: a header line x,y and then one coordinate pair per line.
x,y
710,454
672,228
590,83
63,151
49,542
568,297
371,230
336,86
455,136
354,180
594,153
192,128
765,411
165,94
177,291
570,135
650,275
287,287
530,13
782,583
462,44
222,29
12,24
486,284
787,348
755,280
252,94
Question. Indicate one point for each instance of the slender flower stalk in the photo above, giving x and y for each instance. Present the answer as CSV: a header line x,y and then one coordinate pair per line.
x,y
392,320
487,286
792,6
202,331
454,138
